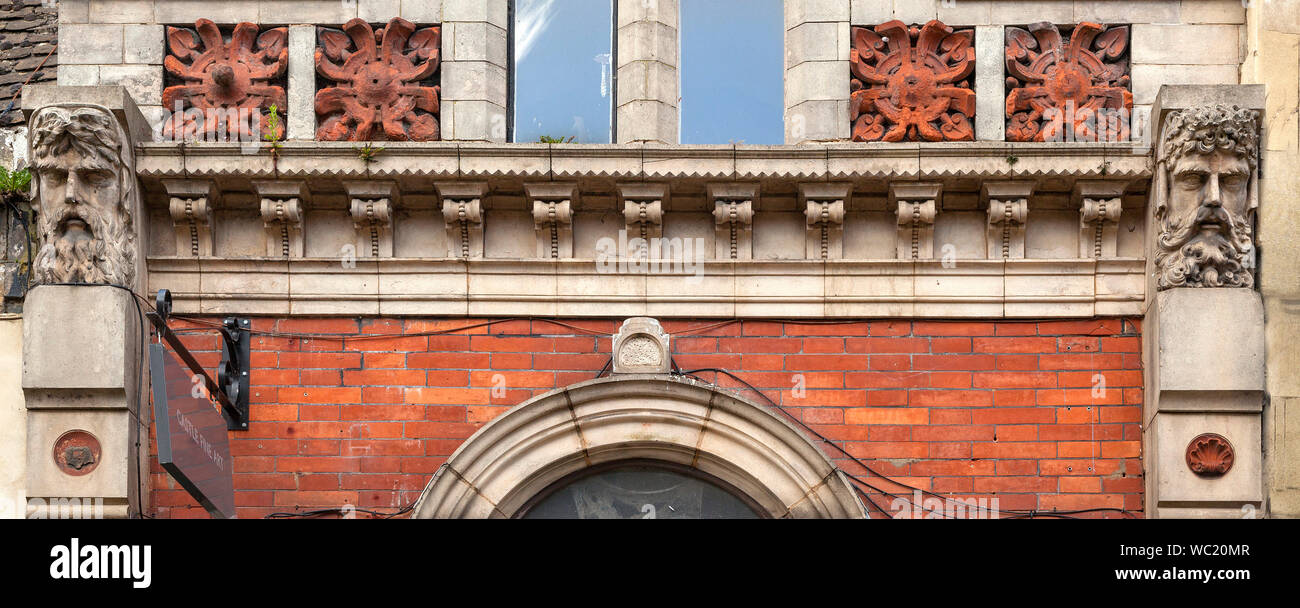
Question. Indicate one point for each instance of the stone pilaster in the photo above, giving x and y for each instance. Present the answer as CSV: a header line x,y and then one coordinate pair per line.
x,y
647,75
1203,335
817,71
83,345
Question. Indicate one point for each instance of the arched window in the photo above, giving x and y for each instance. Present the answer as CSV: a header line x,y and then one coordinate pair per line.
x,y
640,489
612,446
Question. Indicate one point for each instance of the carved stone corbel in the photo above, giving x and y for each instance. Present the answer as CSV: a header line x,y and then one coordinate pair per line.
x,y
553,218
282,216
462,210
191,211
824,215
1008,211
643,209
1100,204
918,204
372,215
733,218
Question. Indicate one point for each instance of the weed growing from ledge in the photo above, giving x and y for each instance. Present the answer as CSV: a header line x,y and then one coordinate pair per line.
x,y
1012,160
14,182
367,153
1104,168
547,139
272,137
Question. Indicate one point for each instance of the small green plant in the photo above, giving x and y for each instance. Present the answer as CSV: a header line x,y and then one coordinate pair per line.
x,y
1104,168
273,134
547,139
1012,160
14,182
367,153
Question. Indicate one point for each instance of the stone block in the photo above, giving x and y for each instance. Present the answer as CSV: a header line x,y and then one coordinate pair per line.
x,y
990,94
74,11
143,82
804,11
379,11
870,12
301,117
78,75
820,41
1208,340
1213,11
816,80
115,98
317,12
13,419
1195,44
1148,11
647,41
88,329
90,44
422,11
662,11
480,80
1147,79
476,41
916,11
142,44
121,11
647,121
965,13
491,11
813,121
474,120
647,80
1176,483
186,12
1023,12
110,480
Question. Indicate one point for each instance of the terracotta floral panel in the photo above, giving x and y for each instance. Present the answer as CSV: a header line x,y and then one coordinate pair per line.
x,y
378,84
912,83
1068,86
221,87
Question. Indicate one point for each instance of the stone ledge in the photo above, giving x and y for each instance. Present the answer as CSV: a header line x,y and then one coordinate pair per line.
x,y
722,289
815,162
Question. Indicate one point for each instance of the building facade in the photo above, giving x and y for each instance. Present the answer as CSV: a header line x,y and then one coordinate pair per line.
x,y
1012,259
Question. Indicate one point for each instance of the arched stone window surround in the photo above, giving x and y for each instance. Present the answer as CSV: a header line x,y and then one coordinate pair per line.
x,y
638,417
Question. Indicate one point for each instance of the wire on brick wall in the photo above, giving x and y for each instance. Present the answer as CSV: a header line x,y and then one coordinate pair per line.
x,y
1015,513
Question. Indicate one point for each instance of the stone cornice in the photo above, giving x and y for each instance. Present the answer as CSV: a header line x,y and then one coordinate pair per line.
x,y
652,162
724,289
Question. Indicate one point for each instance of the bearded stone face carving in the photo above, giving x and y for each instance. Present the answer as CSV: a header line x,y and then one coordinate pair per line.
x,y
84,196
1206,198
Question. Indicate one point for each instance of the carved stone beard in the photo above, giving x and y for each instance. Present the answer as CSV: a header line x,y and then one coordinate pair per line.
x,y
78,251
1207,247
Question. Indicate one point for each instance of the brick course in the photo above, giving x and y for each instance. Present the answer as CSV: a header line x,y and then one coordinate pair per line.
x,y
1041,415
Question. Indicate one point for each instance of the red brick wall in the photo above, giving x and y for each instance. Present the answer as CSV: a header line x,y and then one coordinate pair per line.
x,y
1011,410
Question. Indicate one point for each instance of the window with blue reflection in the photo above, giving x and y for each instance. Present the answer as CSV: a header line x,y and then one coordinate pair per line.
x,y
732,58
563,83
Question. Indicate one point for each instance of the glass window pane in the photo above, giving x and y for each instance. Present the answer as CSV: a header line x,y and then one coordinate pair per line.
x,y
640,492
732,81
562,82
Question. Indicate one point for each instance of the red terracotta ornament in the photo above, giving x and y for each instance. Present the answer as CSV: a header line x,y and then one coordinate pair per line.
x,y
1210,455
909,84
230,82
1068,91
77,452
381,89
